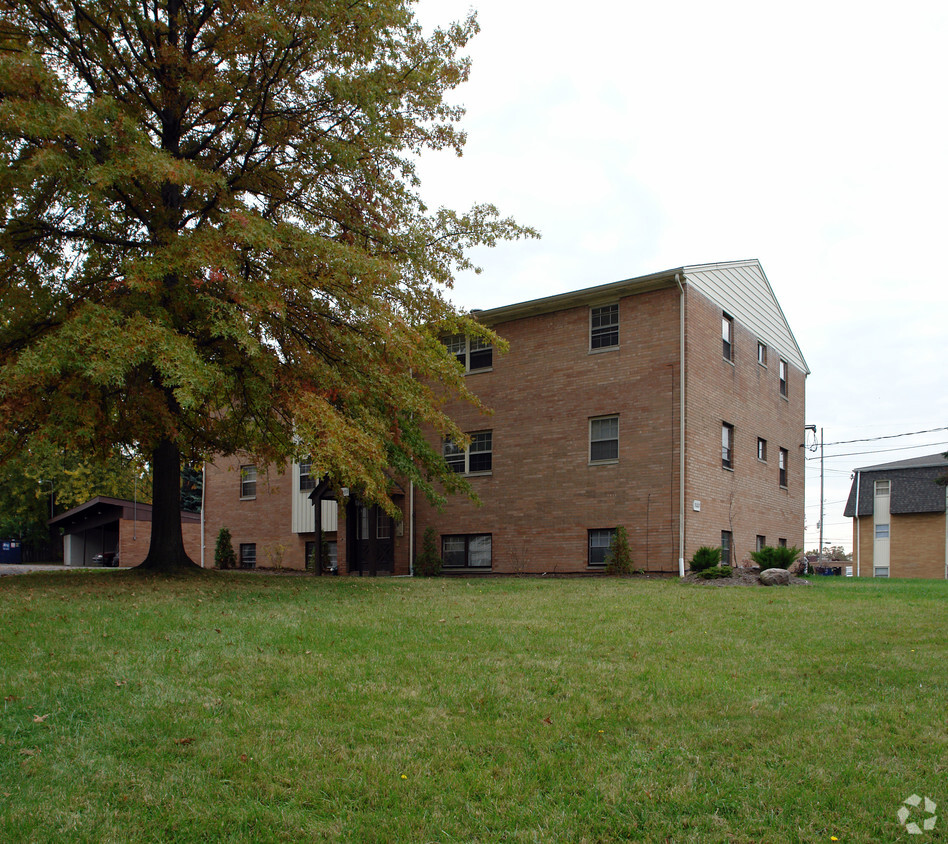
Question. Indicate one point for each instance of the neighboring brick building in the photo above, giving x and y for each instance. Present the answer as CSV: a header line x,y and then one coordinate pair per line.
x,y
586,436
900,527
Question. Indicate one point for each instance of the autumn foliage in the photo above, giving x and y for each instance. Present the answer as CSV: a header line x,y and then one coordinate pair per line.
x,y
212,238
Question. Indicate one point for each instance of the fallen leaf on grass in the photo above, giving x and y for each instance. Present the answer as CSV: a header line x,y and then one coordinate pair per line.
x,y
188,740
243,757
39,719
10,698
29,751
547,720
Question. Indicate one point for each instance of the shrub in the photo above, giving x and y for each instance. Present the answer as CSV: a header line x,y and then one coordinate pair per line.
x,y
715,572
771,557
428,563
224,556
705,558
619,555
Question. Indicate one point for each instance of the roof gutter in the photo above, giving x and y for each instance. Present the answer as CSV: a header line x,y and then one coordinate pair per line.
x,y
681,428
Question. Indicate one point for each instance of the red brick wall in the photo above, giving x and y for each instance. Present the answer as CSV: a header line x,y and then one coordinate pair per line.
x,y
749,500
134,537
543,495
267,519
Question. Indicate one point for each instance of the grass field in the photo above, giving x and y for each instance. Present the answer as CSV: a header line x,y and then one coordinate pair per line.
x,y
261,708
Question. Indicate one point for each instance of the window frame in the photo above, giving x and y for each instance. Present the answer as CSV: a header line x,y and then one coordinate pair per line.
x,y
467,539
727,446
248,485
727,336
600,334
877,569
762,353
593,420
247,551
599,533
307,480
455,456
784,378
762,449
727,547
761,542
882,531
464,348
782,468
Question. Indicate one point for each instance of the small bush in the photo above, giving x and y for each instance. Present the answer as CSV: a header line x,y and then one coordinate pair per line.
x,y
224,556
775,557
705,558
428,563
715,572
619,555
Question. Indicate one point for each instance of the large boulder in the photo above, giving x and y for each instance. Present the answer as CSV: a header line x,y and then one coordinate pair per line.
x,y
775,577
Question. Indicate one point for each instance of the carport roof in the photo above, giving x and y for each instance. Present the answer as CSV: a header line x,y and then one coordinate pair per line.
x,y
104,509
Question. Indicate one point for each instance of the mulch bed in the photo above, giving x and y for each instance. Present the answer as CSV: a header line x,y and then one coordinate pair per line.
x,y
739,577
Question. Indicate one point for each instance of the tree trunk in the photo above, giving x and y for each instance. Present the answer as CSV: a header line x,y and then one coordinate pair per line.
x,y
166,551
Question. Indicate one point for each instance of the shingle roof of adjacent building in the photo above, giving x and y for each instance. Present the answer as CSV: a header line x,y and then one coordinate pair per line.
x,y
914,486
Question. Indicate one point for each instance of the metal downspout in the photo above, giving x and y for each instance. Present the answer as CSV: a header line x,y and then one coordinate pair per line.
x,y
681,431
858,477
411,529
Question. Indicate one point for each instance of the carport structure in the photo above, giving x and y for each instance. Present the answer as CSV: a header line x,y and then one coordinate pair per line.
x,y
116,526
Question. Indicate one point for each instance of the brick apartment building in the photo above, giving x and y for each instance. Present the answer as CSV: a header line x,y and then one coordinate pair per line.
x,y
671,404
900,518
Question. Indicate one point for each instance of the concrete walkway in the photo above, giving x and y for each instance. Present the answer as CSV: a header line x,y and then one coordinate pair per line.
x,y
27,568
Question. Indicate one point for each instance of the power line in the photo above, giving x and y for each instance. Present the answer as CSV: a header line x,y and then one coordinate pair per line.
x,y
887,437
881,450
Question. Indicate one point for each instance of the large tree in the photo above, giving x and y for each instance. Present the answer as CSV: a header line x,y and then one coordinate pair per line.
x,y
213,238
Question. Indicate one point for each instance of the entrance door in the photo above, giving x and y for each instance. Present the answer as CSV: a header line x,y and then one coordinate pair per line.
x,y
371,546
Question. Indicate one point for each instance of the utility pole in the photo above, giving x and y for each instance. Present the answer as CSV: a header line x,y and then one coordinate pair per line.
x,y
813,448
821,496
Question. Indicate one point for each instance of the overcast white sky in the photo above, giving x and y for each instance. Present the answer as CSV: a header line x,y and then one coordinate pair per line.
x,y
639,137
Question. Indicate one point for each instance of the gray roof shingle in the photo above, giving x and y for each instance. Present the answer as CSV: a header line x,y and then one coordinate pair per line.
x,y
914,487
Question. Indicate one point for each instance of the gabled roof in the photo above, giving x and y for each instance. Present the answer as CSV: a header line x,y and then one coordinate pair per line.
x,y
739,287
913,487
910,463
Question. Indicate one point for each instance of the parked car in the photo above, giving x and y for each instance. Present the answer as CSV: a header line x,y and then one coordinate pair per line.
x,y
107,558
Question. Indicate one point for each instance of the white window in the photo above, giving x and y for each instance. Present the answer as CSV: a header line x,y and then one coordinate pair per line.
x,y
762,449
880,571
307,481
383,524
761,353
248,481
761,542
727,446
882,531
882,488
600,540
604,439
604,327
470,550
472,353
727,336
478,457
784,388
782,466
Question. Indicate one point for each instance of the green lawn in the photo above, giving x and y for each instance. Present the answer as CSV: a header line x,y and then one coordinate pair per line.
x,y
260,708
